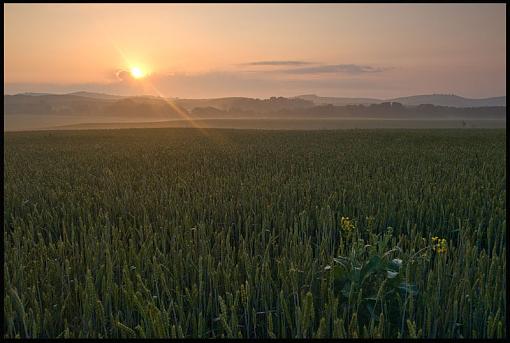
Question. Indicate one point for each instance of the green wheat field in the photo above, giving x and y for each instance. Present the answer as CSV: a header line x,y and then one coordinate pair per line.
x,y
187,233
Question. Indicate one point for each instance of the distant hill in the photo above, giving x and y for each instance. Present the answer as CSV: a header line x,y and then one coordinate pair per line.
x,y
449,100
50,104
93,105
87,105
246,104
338,101
96,95
35,94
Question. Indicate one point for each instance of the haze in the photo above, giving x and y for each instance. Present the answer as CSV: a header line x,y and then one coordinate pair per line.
x,y
256,50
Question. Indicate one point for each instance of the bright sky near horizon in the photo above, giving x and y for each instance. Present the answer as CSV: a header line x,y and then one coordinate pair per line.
x,y
256,50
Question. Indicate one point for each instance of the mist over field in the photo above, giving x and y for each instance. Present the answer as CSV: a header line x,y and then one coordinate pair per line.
x,y
94,110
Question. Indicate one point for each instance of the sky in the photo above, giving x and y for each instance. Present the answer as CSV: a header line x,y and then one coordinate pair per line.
x,y
256,50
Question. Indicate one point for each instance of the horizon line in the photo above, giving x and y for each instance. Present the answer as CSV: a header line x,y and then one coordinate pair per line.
x,y
254,97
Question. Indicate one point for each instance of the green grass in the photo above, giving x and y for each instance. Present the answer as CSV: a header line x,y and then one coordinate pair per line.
x,y
224,233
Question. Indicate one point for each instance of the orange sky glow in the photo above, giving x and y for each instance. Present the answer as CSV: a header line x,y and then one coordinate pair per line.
x,y
259,50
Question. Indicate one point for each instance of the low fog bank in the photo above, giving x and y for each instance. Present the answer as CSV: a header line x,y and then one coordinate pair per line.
x,y
278,124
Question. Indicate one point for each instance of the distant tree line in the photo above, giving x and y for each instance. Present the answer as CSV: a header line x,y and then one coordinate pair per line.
x,y
154,107
382,110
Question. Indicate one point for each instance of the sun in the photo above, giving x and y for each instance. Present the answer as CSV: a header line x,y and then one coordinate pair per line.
x,y
137,73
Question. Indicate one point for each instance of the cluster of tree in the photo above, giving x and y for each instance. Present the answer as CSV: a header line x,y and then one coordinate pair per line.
x,y
246,104
156,107
384,110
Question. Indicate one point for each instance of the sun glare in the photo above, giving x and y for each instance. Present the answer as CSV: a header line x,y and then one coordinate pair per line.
x,y
137,73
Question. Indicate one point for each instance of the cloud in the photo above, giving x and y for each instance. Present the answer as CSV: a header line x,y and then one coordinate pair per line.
x,y
277,63
124,75
216,84
334,68
296,68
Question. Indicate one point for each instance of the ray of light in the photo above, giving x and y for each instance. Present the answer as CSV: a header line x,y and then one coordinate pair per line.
x,y
182,113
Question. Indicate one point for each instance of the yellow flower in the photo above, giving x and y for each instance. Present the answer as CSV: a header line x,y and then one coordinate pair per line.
x,y
347,224
439,245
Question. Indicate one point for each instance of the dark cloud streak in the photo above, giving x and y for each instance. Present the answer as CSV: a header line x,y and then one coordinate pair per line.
x,y
277,63
334,68
316,69
123,75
